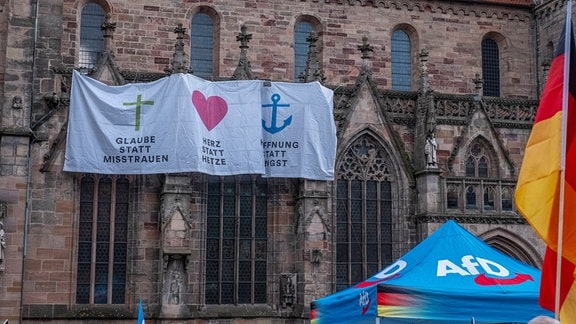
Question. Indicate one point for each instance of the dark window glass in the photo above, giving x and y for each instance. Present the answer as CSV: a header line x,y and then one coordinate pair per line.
x,y
363,217
471,197
489,198
491,68
202,45
477,163
470,167
452,198
236,243
364,234
506,199
401,61
91,35
101,273
301,47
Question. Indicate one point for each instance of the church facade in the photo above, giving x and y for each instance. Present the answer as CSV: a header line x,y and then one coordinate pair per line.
x,y
433,104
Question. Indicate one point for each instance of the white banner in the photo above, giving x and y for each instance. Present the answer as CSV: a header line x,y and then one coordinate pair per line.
x,y
182,123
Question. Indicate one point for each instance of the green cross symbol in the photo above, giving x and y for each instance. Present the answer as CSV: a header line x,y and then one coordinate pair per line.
x,y
139,103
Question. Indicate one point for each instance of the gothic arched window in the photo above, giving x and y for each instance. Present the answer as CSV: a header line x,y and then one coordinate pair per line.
x,y
477,162
401,61
489,195
491,67
507,193
452,197
91,35
471,197
202,45
363,213
102,240
302,31
236,240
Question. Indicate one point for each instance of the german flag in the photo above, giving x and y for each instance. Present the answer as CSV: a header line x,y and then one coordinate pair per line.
x,y
546,188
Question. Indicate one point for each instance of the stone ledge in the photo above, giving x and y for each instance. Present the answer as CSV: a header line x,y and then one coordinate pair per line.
x,y
60,311
114,312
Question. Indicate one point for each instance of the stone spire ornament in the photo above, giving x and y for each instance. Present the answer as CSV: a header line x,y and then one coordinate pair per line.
x,y
313,71
179,57
365,48
108,29
243,69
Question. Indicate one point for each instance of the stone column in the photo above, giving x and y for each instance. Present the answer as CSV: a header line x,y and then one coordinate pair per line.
x,y
175,240
314,253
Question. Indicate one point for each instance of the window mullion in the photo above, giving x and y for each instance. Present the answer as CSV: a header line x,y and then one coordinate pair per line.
x,y
253,242
221,244
349,220
379,222
363,226
236,240
94,242
111,241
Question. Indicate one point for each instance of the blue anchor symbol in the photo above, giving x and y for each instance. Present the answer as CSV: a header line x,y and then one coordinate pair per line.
x,y
273,129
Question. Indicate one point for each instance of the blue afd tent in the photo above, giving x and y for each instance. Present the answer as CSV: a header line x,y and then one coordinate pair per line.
x,y
450,277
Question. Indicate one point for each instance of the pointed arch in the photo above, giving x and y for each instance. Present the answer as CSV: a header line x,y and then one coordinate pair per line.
x,y
403,46
304,26
512,245
368,191
491,57
480,159
204,42
91,38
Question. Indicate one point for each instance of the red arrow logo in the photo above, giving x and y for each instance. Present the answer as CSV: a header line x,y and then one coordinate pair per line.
x,y
365,284
482,280
365,308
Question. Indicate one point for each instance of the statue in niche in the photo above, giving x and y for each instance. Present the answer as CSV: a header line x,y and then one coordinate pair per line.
x,y
175,281
430,150
2,246
288,290
17,102
175,289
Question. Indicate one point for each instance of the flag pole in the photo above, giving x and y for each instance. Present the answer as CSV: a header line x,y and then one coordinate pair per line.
x,y
565,96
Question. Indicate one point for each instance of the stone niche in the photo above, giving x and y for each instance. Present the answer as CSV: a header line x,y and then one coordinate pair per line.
x,y
175,283
288,293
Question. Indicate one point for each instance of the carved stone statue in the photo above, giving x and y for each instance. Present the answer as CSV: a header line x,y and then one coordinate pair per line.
x,y
430,150
288,289
175,281
17,102
175,289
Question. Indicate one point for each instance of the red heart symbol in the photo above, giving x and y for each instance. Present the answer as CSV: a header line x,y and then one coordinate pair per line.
x,y
211,110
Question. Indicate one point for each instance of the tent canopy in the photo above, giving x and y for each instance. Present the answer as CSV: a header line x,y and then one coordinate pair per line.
x,y
452,276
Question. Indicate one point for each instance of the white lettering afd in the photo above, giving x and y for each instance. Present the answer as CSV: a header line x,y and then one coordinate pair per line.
x,y
470,266
391,270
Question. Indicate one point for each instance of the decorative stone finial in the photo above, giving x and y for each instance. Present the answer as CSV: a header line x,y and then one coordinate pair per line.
x,y
478,82
243,69
365,48
108,28
313,72
179,57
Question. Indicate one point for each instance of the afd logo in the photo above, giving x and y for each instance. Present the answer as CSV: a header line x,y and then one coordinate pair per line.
x,y
470,266
364,302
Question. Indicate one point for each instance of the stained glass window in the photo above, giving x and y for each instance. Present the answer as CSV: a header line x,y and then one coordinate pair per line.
x,y
202,45
91,35
491,67
363,213
102,240
401,61
236,240
301,47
